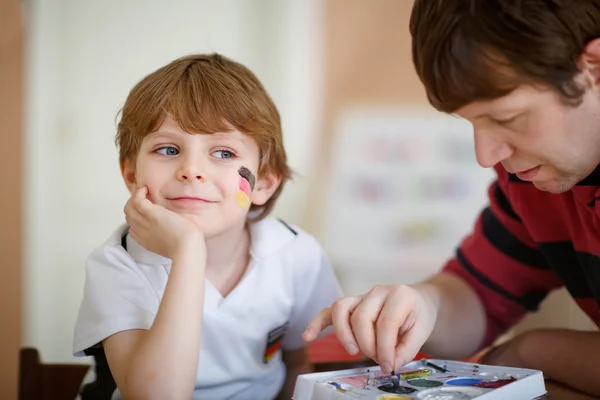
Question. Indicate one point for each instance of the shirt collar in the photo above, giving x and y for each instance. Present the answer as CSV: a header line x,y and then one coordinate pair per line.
x,y
266,237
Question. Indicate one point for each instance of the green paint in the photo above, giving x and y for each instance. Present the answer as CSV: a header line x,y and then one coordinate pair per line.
x,y
424,383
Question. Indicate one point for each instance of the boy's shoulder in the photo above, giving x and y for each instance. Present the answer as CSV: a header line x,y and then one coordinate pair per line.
x,y
272,236
112,250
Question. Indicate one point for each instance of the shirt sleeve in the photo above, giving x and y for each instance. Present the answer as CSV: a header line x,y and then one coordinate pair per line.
x,y
503,264
315,288
117,296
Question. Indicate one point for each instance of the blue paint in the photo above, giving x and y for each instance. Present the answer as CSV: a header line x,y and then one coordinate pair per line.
x,y
463,381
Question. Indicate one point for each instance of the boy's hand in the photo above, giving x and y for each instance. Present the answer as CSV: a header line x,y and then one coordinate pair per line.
x,y
160,230
389,324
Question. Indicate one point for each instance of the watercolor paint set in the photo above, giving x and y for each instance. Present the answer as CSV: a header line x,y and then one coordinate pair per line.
x,y
424,380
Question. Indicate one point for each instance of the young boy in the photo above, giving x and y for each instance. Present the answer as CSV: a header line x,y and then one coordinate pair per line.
x,y
199,294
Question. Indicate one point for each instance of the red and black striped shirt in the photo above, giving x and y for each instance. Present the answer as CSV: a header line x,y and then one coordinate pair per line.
x,y
529,242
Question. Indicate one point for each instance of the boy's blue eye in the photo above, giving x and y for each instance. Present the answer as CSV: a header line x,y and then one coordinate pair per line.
x,y
223,154
168,151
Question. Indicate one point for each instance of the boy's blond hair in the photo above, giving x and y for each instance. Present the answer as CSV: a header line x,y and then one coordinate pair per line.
x,y
206,93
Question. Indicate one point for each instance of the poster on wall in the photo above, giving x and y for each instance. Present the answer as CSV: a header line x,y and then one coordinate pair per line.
x,y
404,188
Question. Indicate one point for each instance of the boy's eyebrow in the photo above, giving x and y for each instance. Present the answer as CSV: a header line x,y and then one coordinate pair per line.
x,y
223,135
157,134
229,135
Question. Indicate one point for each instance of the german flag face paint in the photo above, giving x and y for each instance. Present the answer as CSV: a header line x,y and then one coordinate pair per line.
x,y
246,186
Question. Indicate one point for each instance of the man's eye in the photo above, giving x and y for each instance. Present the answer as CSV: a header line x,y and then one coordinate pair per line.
x,y
167,151
507,120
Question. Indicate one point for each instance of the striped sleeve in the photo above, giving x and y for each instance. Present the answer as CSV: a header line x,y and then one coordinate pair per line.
x,y
502,263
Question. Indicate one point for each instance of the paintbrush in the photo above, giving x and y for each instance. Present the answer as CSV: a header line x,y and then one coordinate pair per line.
x,y
432,365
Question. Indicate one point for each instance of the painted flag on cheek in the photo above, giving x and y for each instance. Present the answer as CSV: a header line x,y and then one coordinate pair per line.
x,y
246,185
243,194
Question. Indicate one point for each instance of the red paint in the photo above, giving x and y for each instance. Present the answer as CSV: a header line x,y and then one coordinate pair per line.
x,y
245,186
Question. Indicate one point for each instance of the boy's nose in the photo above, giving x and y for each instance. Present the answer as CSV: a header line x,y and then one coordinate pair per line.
x,y
189,177
190,171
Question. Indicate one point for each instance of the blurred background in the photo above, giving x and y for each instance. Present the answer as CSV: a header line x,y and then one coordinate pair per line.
x,y
388,185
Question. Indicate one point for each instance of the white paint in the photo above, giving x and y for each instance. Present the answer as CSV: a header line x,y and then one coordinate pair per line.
x,y
83,57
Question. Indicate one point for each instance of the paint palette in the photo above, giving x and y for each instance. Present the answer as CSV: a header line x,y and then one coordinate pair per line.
x,y
424,380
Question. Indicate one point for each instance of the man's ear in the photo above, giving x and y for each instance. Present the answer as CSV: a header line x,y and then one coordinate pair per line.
x,y
590,60
128,173
266,185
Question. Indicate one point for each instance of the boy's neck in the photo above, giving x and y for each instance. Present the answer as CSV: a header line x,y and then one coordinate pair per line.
x,y
227,256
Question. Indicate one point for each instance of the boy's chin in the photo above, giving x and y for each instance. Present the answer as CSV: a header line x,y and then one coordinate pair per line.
x,y
211,227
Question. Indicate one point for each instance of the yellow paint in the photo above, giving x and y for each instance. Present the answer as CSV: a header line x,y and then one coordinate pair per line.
x,y
243,200
393,397
404,376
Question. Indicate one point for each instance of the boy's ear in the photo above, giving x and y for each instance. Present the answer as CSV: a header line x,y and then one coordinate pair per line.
x,y
128,173
591,60
265,187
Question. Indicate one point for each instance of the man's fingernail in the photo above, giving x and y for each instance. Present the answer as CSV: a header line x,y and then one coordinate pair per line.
x,y
386,367
351,348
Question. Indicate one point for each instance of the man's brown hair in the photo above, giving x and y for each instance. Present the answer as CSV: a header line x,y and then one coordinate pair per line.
x,y
206,93
468,50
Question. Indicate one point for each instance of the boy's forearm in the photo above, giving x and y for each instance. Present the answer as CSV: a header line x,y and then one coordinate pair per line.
x,y
461,323
566,356
166,361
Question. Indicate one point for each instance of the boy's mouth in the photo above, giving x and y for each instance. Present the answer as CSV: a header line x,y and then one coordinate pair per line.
x,y
190,200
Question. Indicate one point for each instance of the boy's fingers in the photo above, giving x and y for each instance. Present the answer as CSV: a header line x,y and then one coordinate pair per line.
x,y
141,200
320,322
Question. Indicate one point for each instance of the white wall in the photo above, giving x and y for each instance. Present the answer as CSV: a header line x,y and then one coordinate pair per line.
x,y
83,58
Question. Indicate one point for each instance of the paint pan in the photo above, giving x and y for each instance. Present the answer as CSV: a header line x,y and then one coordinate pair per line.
x,y
463,381
396,389
393,397
419,373
495,384
452,393
424,383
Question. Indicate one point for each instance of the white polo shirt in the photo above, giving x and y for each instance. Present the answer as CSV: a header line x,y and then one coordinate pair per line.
x,y
288,281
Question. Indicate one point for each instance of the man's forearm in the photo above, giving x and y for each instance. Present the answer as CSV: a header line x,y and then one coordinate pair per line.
x,y
461,324
566,356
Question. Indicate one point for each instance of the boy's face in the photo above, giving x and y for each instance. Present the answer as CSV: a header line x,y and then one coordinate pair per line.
x,y
201,174
537,136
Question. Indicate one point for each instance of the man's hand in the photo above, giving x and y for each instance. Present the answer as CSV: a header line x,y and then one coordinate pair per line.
x,y
388,324
160,230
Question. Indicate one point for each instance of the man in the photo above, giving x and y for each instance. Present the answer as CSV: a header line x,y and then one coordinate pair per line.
x,y
526,74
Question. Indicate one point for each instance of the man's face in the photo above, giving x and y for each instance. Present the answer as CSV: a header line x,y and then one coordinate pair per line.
x,y
535,135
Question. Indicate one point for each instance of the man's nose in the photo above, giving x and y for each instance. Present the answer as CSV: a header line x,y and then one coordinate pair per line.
x,y
491,148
